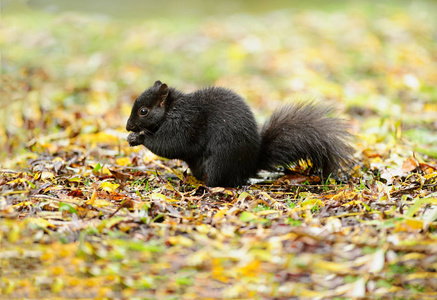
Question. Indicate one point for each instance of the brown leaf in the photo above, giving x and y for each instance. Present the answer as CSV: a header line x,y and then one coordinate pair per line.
x,y
409,165
296,178
76,193
121,176
128,203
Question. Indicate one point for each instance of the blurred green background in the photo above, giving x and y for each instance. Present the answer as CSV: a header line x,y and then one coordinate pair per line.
x,y
71,69
187,9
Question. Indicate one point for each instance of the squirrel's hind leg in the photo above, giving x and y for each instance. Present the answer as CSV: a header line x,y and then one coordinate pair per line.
x,y
197,168
225,173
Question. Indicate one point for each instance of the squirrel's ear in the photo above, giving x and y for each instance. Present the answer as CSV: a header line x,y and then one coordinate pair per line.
x,y
163,93
157,83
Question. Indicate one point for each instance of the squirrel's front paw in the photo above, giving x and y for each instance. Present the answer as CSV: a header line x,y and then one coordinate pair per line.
x,y
135,139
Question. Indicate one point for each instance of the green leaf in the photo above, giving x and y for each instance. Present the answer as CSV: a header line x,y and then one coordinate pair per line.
x,y
67,207
97,168
247,216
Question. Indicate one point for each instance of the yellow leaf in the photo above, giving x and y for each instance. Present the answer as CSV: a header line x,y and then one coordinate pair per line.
x,y
109,187
332,267
14,233
40,222
105,171
158,196
102,203
180,240
431,107
103,292
422,275
99,137
23,204
310,203
18,180
344,195
57,285
250,270
311,294
218,270
92,199
409,225
48,256
57,158
123,161
430,176
220,214
412,256
203,228
57,270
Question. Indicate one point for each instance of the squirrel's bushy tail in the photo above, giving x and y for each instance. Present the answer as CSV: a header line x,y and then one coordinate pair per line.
x,y
305,131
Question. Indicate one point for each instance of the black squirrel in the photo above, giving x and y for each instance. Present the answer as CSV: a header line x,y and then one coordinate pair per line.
x,y
215,132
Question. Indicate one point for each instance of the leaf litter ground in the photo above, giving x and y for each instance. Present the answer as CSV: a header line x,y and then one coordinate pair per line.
x,y
83,215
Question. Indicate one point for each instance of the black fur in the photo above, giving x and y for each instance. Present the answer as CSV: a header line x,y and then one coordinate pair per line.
x,y
215,132
305,131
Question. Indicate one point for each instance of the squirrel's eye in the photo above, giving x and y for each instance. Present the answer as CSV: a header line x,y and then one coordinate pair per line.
x,y
143,112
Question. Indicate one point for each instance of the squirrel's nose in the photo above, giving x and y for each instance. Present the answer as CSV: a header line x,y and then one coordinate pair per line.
x,y
130,126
